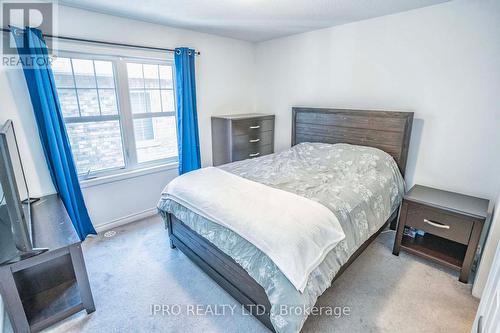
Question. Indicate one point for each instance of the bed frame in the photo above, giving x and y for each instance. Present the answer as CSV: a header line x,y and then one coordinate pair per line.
x,y
389,131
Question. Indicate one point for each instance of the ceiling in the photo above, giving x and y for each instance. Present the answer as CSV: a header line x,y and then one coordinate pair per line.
x,y
250,20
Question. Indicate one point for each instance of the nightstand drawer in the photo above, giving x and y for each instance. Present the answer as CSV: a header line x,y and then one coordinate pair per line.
x,y
252,126
253,140
439,223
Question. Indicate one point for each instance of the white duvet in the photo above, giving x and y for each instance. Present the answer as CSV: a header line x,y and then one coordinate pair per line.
x,y
295,232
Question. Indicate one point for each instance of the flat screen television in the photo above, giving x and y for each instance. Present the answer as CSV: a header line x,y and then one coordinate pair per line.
x,y
15,211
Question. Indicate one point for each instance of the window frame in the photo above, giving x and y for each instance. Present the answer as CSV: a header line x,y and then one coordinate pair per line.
x,y
125,116
143,115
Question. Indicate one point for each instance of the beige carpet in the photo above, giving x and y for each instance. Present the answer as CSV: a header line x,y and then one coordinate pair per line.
x,y
136,269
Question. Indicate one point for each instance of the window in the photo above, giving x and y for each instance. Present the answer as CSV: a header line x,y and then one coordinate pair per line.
x,y
152,102
119,113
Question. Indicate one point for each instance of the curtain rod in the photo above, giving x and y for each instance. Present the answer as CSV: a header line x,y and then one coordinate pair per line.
x,y
76,39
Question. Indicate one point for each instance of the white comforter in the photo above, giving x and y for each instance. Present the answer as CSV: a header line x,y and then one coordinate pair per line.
x,y
295,232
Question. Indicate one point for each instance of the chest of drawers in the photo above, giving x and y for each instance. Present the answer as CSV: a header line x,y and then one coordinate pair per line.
x,y
238,137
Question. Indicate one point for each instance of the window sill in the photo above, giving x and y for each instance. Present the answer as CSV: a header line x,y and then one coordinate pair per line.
x,y
128,174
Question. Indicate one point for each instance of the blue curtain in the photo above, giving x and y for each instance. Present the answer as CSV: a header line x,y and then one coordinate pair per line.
x,y
51,129
187,119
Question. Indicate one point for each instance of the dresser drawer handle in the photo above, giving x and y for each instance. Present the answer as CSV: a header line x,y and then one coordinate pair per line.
x,y
254,140
437,225
254,127
254,154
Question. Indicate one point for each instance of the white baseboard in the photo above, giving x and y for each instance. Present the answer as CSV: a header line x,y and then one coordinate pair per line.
x,y
125,220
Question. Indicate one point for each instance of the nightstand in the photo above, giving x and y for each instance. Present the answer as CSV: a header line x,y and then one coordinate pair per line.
x,y
450,226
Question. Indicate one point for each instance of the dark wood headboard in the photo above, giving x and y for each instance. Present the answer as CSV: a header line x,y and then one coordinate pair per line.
x,y
385,130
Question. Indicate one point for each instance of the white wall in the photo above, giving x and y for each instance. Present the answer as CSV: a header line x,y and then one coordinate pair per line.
x,y
225,84
442,62
3,315
488,253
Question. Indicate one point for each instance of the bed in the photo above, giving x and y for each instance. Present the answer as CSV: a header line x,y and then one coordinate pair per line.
x,y
318,136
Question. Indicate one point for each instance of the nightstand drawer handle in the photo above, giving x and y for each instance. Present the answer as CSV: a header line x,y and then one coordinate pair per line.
x,y
437,225
255,127
254,140
254,154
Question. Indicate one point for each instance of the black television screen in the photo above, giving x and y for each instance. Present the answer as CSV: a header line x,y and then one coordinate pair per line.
x,y
15,238
8,249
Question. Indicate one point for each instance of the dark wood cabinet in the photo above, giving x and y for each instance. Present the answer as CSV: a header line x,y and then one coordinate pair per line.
x,y
451,225
238,137
42,290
